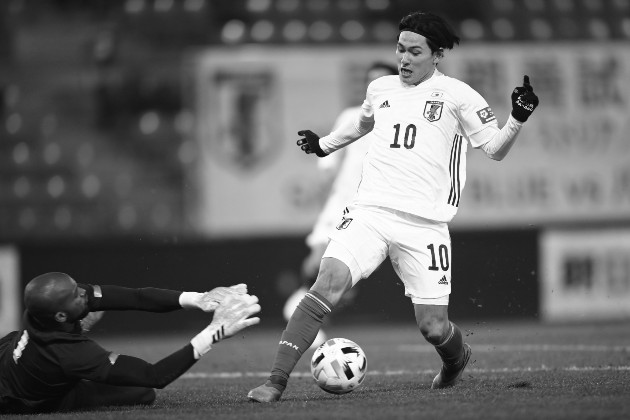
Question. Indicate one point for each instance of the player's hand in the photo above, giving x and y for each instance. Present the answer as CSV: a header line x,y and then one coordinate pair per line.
x,y
209,301
524,101
233,315
90,320
310,143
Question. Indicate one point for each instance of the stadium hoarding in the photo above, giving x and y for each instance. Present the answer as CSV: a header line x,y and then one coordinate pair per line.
x,y
585,274
571,163
10,290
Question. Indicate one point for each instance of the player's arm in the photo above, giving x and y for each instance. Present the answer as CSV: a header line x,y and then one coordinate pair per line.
x,y
497,143
231,316
151,299
346,133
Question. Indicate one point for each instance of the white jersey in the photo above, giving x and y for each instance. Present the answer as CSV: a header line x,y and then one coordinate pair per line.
x,y
417,159
347,164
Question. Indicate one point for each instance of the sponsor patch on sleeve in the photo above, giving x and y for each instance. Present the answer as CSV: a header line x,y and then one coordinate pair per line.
x,y
486,115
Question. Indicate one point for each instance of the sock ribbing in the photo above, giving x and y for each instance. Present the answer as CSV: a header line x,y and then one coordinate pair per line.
x,y
298,336
452,347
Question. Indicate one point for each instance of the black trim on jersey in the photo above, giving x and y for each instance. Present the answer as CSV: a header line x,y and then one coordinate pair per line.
x,y
453,168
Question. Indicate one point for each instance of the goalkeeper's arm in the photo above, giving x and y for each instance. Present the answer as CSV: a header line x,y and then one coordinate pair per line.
x,y
151,299
231,316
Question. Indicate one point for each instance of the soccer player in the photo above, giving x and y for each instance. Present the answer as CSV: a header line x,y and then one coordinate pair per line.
x,y
345,167
51,365
413,175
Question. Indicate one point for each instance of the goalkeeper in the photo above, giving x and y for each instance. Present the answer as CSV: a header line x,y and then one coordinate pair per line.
x,y
51,365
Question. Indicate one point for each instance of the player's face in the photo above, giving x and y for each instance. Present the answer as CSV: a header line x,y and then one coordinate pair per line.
x,y
415,59
75,305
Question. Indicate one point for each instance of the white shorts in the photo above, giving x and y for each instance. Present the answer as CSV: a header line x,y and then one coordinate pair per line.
x,y
419,249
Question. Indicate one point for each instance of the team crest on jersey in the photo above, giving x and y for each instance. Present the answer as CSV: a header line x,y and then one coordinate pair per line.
x,y
433,110
486,115
345,222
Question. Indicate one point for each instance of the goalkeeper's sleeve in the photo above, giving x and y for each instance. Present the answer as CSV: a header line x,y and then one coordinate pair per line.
x,y
132,371
150,299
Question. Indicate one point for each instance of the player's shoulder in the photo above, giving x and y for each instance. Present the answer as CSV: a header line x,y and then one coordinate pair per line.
x,y
384,83
456,88
452,82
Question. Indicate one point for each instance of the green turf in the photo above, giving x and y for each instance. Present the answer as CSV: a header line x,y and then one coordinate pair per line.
x,y
517,371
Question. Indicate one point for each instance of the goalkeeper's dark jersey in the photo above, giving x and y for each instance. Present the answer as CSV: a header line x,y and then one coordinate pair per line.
x,y
41,363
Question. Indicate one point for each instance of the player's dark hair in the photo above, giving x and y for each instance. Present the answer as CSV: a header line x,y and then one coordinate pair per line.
x,y
382,65
439,33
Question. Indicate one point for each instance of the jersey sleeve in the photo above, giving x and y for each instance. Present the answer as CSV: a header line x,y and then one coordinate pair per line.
x,y
150,299
132,371
331,163
84,360
367,109
475,114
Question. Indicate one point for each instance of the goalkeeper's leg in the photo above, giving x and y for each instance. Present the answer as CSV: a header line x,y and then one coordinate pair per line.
x,y
448,341
88,395
333,281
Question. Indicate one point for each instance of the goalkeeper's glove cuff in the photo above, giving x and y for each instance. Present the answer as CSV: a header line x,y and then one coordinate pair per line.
x,y
202,342
190,300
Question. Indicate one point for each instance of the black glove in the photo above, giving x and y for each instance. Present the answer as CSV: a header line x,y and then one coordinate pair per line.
x,y
524,101
310,143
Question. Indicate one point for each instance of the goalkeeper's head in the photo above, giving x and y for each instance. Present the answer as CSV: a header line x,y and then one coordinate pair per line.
x,y
54,298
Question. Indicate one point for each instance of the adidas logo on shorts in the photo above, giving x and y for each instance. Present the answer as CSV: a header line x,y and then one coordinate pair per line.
x,y
443,280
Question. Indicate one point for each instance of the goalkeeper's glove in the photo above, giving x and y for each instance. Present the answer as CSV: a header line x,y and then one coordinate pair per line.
x,y
524,101
209,301
310,143
230,317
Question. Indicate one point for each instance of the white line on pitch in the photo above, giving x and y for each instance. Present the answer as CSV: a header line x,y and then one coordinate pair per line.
x,y
424,348
236,375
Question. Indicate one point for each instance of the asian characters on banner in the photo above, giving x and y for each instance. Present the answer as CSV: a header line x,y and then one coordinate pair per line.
x,y
571,162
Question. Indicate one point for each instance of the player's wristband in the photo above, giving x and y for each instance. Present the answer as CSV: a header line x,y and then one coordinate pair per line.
x,y
202,342
189,300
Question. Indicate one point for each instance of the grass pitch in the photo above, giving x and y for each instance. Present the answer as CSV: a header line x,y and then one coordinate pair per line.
x,y
518,370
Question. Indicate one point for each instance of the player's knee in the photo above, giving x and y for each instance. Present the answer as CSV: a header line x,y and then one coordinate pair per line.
x,y
333,281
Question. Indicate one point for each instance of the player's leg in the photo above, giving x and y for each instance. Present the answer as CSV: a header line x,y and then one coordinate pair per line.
x,y
448,341
291,305
332,282
310,269
421,256
353,253
88,395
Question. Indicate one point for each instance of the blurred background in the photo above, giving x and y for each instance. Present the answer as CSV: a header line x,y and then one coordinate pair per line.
x,y
151,143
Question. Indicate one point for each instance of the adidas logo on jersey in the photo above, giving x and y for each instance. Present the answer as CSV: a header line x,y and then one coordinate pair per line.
x,y
384,105
443,280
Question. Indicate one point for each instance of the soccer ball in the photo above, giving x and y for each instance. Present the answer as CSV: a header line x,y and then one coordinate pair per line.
x,y
339,366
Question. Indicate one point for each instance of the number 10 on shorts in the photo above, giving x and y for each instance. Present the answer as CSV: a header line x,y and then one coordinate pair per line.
x,y
442,255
